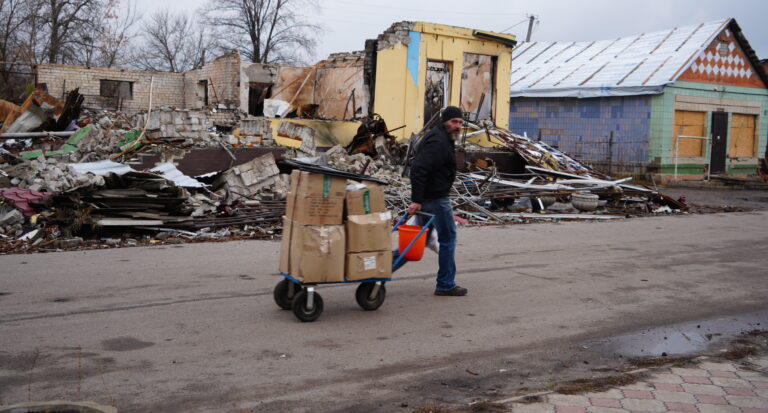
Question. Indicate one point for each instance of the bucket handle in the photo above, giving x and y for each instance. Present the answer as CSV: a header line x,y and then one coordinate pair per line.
x,y
424,228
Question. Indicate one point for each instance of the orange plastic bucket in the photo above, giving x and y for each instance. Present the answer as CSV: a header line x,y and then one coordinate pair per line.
x,y
406,234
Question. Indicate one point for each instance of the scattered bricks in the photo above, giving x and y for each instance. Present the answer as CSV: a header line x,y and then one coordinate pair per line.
x,y
130,242
67,243
112,242
11,217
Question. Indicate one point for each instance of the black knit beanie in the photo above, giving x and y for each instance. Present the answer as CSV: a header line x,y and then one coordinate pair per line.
x,y
451,112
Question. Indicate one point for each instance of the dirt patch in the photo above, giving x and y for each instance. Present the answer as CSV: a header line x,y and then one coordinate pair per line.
x,y
597,384
125,344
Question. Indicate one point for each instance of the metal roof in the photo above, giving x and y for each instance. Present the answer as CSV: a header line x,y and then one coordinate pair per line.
x,y
632,65
166,170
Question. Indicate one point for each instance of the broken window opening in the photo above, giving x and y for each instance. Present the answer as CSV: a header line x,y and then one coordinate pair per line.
x,y
121,89
478,82
437,88
202,91
257,92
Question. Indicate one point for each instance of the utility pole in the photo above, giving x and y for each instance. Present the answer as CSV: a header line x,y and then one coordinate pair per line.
x,y
531,19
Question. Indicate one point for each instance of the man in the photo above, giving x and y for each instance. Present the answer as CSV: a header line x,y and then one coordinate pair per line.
x,y
432,174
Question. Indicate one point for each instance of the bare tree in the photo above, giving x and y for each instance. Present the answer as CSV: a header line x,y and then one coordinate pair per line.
x,y
105,42
171,42
14,72
265,31
61,20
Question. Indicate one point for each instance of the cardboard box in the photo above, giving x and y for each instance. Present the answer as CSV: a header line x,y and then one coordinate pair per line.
x,y
371,232
310,185
285,247
364,265
316,253
365,198
314,211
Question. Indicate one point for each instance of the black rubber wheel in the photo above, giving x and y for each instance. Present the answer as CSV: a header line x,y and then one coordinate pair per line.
x,y
363,296
300,306
283,299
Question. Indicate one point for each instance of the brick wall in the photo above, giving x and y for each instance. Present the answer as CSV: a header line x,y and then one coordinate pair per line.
x,y
167,88
582,128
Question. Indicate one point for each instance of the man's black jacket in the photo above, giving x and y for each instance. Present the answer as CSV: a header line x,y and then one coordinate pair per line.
x,y
434,167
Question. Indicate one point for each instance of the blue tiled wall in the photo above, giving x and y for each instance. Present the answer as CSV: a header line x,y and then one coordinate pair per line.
x,y
582,127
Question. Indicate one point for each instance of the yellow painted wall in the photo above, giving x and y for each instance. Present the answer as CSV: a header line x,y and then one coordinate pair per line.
x,y
401,102
328,133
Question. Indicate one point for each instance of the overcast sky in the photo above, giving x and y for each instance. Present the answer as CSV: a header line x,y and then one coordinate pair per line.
x,y
347,23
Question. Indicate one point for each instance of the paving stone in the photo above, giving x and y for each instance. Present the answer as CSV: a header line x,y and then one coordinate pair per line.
x,y
704,389
637,394
762,362
601,402
532,408
668,387
762,393
703,398
638,386
595,409
644,405
610,394
696,379
760,384
666,378
751,375
747,401
708,365
690,372
738,391
712,408
753,410
681,407
570,409
568,400
719,381
723,374
674,396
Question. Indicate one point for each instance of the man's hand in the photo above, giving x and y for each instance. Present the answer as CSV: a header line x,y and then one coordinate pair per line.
x,y
414,208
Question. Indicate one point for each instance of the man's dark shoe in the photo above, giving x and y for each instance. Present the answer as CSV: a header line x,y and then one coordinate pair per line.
x,y
453,292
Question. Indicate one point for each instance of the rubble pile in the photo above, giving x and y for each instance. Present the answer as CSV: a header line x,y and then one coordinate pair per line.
x,y
188,126
50,175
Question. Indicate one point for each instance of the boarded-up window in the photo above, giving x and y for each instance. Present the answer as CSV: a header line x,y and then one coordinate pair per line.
x,y
742,136
689,124
116,89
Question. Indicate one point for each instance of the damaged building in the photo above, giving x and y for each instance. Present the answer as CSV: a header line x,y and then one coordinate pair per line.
x,y
683,103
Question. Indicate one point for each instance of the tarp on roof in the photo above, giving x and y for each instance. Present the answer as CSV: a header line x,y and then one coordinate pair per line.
x,y
632,65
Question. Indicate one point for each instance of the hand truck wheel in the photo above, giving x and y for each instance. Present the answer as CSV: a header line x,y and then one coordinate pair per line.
x,y
284,292
307,305
370,296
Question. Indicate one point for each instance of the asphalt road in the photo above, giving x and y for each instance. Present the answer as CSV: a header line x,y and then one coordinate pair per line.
x,y
193,327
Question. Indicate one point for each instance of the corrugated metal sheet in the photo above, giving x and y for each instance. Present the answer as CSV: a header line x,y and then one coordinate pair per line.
x,y
632,65
166,170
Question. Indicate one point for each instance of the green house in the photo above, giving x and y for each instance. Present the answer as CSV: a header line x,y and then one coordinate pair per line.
x,y
682,103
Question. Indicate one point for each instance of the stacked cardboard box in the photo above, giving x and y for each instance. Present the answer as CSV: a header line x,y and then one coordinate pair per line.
x,y
319,246
313,246
369,236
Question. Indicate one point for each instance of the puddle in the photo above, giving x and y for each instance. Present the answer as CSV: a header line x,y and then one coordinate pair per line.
x,y
681,339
